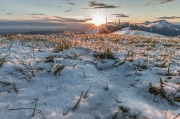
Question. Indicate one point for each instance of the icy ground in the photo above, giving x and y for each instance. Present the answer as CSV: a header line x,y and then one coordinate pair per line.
x,y
94,77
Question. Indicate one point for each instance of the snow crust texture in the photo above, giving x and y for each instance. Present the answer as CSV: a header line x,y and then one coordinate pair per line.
x,y
80,76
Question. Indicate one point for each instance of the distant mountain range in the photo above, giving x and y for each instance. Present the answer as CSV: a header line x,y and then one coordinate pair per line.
x,y
160,27
126,31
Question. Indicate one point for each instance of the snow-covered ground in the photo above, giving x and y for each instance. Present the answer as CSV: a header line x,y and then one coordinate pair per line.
x,y
89,77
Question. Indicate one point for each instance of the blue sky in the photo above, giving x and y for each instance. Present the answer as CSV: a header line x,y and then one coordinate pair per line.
x,y
80,11
137,10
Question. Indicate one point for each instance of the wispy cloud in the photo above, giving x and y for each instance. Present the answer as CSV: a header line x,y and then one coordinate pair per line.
x,y
68,11
150,4
73,20
120,15
35,14
62,19
70,3
165,1
10,13
36,25
171,17
157,2
96,5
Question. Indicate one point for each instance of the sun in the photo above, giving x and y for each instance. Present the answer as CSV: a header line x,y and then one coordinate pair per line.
x,y
98,20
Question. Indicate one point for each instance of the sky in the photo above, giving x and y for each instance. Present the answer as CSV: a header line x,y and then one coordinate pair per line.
x,y
75,12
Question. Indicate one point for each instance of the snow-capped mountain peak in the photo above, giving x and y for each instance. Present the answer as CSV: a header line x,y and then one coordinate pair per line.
x,y
157,24
162,27
127,31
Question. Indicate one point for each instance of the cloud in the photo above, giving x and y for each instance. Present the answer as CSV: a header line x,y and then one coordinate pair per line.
x,y
58,6
96,5
73,20
150,3
34,25
157,2
165,1
36,14
88,19
10,13
120,15
62,19
172,17
68,11
70,3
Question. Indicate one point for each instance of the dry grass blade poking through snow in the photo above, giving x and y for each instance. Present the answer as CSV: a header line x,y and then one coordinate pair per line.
x,y
58,68
160,89
7,83
34,109
116,66
3,59
79,100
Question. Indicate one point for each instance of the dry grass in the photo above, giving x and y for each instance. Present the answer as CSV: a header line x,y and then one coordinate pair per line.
x,y
131,48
